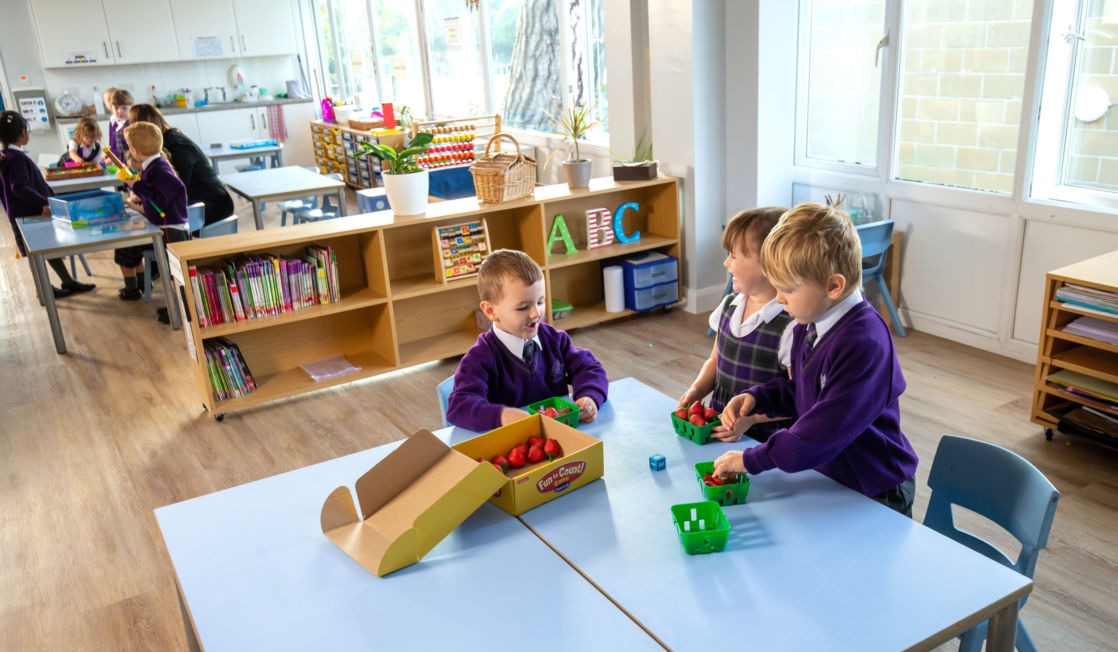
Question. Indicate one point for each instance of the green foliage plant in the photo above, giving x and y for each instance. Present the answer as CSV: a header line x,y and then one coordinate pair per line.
x,y
398,162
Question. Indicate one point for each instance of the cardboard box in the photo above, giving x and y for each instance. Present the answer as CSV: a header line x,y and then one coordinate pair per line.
x,y
534,484
409,502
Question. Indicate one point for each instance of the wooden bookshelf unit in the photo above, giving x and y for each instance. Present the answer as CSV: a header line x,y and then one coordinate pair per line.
x,y
394,312
1060,350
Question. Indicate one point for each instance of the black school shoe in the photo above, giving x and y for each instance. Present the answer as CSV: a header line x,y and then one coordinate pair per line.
x,y
162,315
74,286
129,294
60,293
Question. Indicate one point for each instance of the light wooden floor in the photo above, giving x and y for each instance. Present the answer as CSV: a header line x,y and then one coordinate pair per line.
x,y
94,440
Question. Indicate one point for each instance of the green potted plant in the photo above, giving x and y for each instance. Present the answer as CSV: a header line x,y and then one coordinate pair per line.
x,y
405,183
572,124
639,168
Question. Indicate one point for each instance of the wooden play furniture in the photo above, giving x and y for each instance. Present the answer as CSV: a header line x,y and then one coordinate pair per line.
x,y
394,312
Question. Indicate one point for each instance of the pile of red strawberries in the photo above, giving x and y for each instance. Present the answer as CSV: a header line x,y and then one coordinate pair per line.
x,y
536,449
553,413
714,481
697,415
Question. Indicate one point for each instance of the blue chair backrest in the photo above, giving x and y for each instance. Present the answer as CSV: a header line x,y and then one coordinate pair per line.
x,y
443,391
222,227
196,217
327,204
875,238
997,484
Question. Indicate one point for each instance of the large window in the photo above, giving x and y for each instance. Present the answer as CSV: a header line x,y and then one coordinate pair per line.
x,y
447,58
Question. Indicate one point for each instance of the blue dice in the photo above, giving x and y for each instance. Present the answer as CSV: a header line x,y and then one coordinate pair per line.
x,y
657,462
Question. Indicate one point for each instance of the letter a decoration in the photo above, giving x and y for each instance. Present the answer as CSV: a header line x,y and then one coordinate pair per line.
x,y
599,228
559,232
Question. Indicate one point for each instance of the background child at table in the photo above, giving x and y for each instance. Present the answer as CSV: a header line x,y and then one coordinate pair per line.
x,y
85,143
120,102
520,360
753,333
846,382
25,192
160,194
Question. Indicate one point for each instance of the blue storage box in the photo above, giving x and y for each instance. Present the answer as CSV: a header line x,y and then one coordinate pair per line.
x,y
651,280
92,208
649,298
371,199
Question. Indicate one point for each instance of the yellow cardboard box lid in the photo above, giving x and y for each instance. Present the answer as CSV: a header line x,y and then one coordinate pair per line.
x,y
409,502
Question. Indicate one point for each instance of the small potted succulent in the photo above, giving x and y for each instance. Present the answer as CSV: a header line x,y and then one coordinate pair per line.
x,y
405,183
573,124
639,168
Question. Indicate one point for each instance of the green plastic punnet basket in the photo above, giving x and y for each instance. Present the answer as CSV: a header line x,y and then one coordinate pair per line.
x,y
560,404
688,430
702,526
727,494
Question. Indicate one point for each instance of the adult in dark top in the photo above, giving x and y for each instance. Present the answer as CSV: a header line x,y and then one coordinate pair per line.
x,y
190,163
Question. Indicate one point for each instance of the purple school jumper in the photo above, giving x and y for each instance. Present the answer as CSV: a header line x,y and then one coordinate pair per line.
x,y
160,185
490,378
845,392
747,361
117,144
23,190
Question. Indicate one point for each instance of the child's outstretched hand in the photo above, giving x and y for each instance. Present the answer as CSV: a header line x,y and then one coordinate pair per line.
x,y
689,397
46,211
729,463
589,409
510,414
730,434
739,407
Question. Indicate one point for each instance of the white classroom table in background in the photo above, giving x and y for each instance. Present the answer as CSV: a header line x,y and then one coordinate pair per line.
x,y
277,184
81,184
47,238
224,152
255,572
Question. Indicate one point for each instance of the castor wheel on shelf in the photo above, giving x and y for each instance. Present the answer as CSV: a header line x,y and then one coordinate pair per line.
x,y
219,417
1048,434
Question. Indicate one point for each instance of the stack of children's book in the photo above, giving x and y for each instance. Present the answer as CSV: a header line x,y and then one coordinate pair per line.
x,y
1099,300
229,375
264,285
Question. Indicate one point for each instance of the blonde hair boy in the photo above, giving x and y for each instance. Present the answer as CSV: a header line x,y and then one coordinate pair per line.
x,y
811,243
145,138
502,265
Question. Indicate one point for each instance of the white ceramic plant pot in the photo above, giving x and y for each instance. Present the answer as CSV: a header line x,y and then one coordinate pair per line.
x,y
578,173
407,193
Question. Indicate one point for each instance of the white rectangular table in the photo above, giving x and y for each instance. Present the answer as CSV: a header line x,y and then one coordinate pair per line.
x,y
256,573
810,564
276,184
82,184
46,239
224,152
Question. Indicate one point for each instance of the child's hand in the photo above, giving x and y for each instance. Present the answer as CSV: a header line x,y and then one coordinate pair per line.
x,y
510,414
738,407
589,409
730,434
689,397
128,181
729,463
46,211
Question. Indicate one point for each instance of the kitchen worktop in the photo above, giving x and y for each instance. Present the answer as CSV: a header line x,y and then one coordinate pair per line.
x,y
220,106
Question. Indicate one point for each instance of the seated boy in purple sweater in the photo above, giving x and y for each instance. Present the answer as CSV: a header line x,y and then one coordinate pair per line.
x,y
520,360
160,195
845,381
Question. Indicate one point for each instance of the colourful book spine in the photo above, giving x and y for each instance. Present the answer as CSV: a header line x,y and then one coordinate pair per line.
x,y
199,309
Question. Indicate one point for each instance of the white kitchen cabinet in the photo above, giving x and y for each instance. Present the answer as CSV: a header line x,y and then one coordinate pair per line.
x,y
229,125
264,27
141,31
187,123
209,21
72,33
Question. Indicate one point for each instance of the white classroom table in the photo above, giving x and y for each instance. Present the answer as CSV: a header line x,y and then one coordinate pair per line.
x,y
224,152
810,564
255,572
46,239
82,184
277,184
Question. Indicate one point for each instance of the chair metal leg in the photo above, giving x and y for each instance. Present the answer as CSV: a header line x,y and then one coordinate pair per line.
x,y
1024,642
73,267
147,279
85,265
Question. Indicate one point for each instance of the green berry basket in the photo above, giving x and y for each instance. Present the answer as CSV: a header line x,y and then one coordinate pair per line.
x,y
560,404
702,526
727,494
688,430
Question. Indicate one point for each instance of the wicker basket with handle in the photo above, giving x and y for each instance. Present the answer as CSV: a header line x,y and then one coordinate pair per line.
x,y
503,176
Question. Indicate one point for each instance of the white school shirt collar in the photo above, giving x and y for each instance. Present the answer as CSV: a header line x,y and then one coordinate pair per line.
x,y
766,314
828,320
15,147
515,343
148,161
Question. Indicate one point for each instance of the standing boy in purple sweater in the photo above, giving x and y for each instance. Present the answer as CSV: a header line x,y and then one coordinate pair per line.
x,y
845,383
520,360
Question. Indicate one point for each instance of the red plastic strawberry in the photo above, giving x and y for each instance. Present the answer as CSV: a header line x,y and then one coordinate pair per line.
x,y
562,412
551,449
709,413
535,454
498,467
697,420
696,408
535,441
682,413
550,412
481,459
501,462
516,458
523,448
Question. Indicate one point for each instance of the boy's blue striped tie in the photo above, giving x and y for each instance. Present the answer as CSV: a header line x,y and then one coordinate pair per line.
x,y
529,352
811,335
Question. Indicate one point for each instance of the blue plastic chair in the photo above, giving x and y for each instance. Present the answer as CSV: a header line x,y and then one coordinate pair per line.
x,y
443,391
328,211
875,238
195,218
221,227
999,485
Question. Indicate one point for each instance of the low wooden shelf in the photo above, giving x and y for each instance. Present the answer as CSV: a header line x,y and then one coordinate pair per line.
x,y
394,312
1059,350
